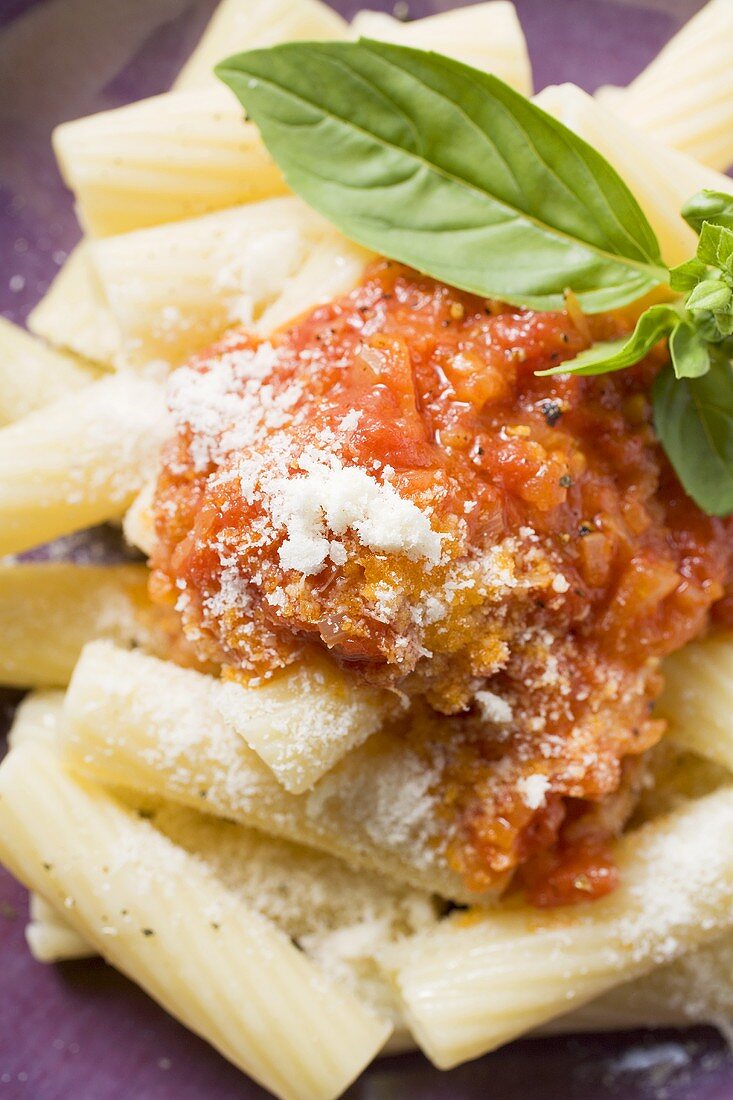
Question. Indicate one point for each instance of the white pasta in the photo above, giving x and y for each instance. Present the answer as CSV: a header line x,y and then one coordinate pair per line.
x,y
698,698
275,864
49,611
157,913
479,981
661,179
684,98
52,942
340,916
37,719
50,937
174,288
187,153
239,25
32,374
78,461
487,36
137,722
75,315
301,722
138,525
174,156
695,988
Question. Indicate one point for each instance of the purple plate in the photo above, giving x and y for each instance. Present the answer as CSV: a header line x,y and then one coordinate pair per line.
x,y
80,1031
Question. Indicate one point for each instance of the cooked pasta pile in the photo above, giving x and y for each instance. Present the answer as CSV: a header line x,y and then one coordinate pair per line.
x,y
264,854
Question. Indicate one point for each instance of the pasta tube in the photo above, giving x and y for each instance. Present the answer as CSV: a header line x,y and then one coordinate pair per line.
x,y
239,25
487,36
698,698
339,916
695,988
661,179
174,156
157,914
137,722
74,313
50,938
300,723
344,918
78,461
187,153
53,942
138,525
684,98
36,719
50,610
32,374
304,720
175,288
480,980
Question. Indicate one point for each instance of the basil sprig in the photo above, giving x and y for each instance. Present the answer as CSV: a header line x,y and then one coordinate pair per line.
x,y
447,169
694,421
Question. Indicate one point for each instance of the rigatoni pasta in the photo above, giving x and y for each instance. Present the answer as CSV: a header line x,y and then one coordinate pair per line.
x,y
693,989
123,727
165,921
479,981
175,288
304,720
32,374
698,698
341,916
163,159
487,36
50,610
78,461
50,938
366,753
187,153
660,178
74,313
252,24
684,98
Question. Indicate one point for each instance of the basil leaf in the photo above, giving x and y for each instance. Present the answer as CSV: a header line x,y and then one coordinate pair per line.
x,y
689,352
446,168
686,276
710,294
606,356
715,207
709,328
716,247
724,324
694,421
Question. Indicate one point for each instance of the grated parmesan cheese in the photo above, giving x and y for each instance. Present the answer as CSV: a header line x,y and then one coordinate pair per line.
x,y
533,789
331,497
493,708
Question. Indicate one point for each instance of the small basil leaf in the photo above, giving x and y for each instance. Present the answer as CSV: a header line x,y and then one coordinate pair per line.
x,y
653,325
707,326
724,323
694,421
716,246
715,207
712,294
686,276
446,168
689,352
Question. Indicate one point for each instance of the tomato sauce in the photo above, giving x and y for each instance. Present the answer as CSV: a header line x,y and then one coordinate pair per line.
x,y
570,561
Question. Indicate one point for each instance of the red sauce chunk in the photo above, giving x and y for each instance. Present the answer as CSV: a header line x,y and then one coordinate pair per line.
x,y
389,481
